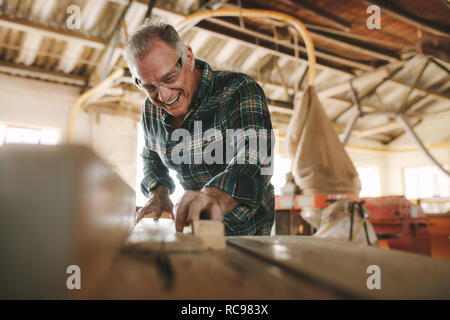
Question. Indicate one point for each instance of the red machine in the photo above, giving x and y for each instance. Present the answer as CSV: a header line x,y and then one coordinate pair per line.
x,y
399,223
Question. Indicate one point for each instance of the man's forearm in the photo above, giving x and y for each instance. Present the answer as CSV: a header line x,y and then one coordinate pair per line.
x,y
160,190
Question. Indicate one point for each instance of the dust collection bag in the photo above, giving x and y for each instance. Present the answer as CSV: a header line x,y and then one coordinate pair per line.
x,y
321,166
320,163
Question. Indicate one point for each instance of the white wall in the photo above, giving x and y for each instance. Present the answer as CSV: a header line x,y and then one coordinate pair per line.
x,y
391,165
43,104
362,158
114,138
399,161
434,130
38,103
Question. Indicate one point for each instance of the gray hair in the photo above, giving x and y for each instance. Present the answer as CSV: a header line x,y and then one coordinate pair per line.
x,y
142,40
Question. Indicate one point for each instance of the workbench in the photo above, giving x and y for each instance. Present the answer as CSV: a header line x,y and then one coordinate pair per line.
x,y
275,267
63,206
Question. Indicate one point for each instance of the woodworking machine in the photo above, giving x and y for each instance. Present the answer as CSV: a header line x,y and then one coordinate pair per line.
x,y
61,207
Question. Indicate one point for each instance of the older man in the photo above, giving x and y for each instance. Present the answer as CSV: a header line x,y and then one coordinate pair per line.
x,y
185,95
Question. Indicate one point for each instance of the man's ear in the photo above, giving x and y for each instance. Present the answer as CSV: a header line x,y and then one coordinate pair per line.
x,y
190,57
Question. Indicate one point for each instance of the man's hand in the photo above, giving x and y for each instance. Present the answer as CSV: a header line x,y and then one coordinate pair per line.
x,y
158,203
213,202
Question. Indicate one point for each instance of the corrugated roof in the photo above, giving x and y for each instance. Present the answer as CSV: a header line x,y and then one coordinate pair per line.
x,y
36,41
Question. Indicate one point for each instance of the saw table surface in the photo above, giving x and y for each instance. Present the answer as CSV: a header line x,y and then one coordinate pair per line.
x,y
85,218
266,267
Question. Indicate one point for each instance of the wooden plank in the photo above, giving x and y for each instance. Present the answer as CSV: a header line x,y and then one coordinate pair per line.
x,y
343,266
212,233
61,206
206,275
153,236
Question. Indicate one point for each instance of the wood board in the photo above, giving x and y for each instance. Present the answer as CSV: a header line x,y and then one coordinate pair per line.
x,y
343,266
208,275
60,206
160,235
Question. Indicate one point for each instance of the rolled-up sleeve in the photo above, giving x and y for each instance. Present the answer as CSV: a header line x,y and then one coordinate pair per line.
x,y
155,173
249,171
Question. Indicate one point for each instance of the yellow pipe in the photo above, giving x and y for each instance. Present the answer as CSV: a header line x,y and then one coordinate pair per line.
x,y
85,96
256,13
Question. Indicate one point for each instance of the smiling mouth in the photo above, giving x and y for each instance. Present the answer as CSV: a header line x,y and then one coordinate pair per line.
x,y
173,101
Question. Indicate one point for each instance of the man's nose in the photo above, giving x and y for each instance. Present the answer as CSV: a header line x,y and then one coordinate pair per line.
x,y
164,94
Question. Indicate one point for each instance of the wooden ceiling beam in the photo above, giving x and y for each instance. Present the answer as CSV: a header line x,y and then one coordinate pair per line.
x,y
401,132
27,26
339,40
105,60
356,45
40,73
440,65
357,37
391,8
431,93
348,36
332,62
391,125
380,74
332,19
239,32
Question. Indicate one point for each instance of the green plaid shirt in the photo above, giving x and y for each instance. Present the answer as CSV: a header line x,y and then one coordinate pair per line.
x,y
225,100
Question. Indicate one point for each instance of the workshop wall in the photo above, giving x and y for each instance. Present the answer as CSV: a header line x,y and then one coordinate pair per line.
x,y
114,139
392,164
397,162
366,158
36,103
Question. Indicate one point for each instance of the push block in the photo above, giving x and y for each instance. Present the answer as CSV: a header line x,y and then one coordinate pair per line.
x,y
154,236
212,233
64,215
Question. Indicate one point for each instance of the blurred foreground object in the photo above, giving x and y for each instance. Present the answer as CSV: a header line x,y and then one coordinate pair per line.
x,y
60,206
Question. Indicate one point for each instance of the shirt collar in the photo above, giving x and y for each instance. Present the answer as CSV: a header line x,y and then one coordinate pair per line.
x,y
206,82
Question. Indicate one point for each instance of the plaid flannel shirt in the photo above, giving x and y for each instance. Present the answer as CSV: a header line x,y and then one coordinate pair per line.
x,y
225,100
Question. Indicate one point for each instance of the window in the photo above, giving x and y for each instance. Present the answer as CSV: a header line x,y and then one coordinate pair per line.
x,y
26,135
280,168
370,181
425,182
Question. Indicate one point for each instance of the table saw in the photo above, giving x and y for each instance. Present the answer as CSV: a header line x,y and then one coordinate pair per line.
x,y
62,206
